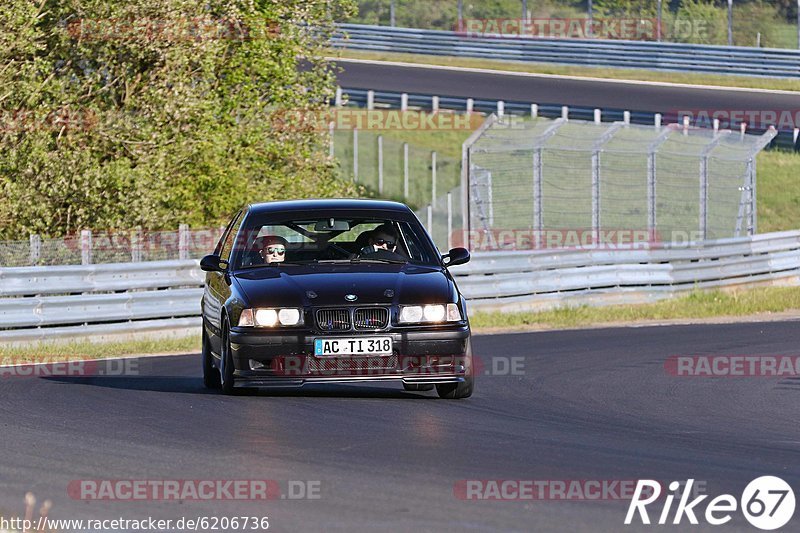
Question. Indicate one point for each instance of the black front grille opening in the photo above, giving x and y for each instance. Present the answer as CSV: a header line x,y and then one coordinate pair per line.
x,y
371,318
333,319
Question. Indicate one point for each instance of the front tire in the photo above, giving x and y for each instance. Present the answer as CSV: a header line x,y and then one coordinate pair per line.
x,y
457,391
226,367
211,378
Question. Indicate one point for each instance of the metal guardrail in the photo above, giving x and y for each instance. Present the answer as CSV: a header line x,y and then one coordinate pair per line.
x,y
764,62
786,138
501,280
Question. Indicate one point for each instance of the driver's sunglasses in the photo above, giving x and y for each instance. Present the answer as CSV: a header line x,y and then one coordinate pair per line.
x,y
381,242
279,251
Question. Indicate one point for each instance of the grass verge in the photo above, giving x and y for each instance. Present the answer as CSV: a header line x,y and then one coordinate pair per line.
x,y
582,72
79,350
696,305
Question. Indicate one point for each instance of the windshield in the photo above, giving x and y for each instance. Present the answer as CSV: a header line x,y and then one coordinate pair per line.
x,y
334,239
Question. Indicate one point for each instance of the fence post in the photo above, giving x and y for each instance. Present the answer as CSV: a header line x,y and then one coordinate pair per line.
x,y
430,220
183,241
331,131
36,249
355,154
659,18
651,194
86,247
703,197
405,172
595,195
433,177
380,164
537,198
449,220
136,244
751,174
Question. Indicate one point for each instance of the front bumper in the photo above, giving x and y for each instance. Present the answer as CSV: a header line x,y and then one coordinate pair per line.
x,y
420,356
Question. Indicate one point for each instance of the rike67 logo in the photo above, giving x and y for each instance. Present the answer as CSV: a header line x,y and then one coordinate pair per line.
x,y
767,503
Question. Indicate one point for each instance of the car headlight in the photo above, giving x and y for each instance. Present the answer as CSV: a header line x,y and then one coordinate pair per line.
x,y
429,314
269,318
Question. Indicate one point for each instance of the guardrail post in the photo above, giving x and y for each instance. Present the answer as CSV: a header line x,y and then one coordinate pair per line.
x,y
433,177
404,102
338,99
470,105
657,120
435,104
534,110
183,241
370,100
598,116
86,247
355,154
565,112
380,164
36,249
501,108
626,117
405,171
796,130
449,220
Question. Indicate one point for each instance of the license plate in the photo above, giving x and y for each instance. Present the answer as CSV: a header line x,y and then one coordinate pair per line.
x,y
353,346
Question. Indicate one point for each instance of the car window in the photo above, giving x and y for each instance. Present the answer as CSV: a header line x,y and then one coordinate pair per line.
x,y
227,246
225,234
331,239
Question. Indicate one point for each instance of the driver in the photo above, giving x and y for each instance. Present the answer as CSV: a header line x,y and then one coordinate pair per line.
x,y
273,249
382,243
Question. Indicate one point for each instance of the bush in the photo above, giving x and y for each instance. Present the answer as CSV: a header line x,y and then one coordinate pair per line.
x,y
155,112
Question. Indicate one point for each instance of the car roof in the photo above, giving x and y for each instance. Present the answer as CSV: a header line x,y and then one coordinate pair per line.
x,y
328,205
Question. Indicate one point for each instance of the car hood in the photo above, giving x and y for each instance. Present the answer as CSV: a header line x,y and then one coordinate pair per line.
x,y
325,285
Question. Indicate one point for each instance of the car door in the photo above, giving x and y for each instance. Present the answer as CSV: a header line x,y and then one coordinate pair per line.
x,y
218,288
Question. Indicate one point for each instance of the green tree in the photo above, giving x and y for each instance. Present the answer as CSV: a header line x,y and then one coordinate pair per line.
x,y
155,112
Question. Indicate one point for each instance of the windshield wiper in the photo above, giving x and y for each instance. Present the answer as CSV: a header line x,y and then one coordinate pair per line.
x,y
279,263
378,260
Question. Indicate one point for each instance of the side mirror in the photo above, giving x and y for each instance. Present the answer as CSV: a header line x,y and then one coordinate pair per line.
x,y
212,263
456,256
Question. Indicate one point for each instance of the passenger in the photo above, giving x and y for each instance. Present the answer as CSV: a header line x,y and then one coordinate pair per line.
x,y
273,249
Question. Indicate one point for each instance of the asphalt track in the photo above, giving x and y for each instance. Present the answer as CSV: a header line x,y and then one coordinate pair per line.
x,y
562,91
582,405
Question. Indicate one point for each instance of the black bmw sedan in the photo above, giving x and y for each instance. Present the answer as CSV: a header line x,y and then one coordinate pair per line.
x,y
311,291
